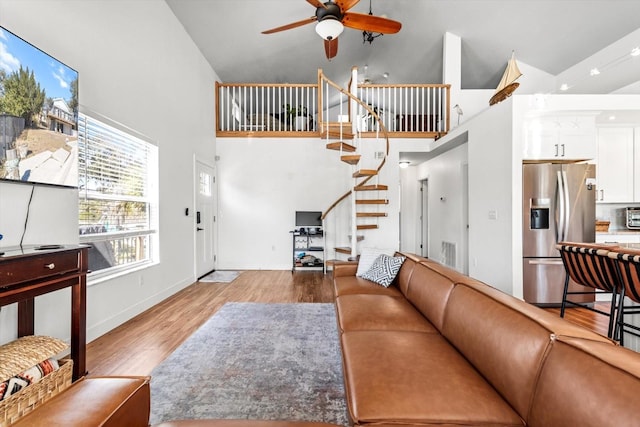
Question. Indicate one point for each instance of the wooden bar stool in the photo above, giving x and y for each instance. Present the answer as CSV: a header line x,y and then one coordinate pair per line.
x,y
588,265
627,262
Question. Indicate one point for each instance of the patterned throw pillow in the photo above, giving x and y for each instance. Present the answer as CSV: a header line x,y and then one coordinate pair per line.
x,y
384,269
368,256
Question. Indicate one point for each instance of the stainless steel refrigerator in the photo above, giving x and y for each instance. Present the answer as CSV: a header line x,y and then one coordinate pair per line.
x,y
558,205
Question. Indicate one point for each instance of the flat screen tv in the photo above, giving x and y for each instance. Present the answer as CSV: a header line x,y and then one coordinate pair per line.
x,y
38,115
308,219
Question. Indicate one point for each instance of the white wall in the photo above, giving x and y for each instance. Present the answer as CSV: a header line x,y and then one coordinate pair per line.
x,y
137,66
446,201
493,175
263,181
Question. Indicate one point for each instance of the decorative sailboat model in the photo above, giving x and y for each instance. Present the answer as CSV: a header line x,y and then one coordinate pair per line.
x,y
508,83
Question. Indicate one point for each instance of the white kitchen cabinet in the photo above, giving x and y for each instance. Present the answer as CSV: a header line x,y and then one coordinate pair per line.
x,y
618,238
615,162
560,138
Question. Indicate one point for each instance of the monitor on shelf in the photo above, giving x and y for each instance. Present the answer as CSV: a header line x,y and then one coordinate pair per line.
x,y
308,219
38,115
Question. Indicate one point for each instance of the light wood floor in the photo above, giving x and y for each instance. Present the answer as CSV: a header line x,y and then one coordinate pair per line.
x,y
140,344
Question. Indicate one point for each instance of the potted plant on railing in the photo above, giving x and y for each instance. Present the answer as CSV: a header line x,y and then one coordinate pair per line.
x,y
298,117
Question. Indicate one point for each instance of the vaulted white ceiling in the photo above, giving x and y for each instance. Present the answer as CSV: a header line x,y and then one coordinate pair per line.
x,y
551,35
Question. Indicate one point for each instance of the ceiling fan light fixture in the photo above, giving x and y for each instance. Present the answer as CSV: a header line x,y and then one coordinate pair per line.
x,y
329,28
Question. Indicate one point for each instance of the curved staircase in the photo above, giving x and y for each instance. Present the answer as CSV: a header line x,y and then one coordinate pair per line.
x,y
366,193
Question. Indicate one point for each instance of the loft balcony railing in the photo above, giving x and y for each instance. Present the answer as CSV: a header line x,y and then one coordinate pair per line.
x,y
405,109
266,109
292,110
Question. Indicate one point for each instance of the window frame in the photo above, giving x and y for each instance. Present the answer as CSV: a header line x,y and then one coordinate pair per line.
x,y
120,133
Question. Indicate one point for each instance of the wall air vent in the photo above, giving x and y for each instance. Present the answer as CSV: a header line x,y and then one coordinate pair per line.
x,y
448,254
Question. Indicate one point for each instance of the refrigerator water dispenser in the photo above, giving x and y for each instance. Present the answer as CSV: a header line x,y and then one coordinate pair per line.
x,y
540,214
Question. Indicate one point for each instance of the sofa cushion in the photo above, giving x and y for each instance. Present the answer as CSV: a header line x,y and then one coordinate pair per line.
x,y
428,291
348,285
379,312
549,321
504,338
587,383
384,269
404,275
416,378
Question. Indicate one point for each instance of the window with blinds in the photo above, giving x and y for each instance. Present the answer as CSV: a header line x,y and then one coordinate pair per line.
x,y
117,182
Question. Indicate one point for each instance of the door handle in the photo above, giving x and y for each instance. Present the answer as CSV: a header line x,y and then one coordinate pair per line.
x,y
567,204
199,229
560,208
545,262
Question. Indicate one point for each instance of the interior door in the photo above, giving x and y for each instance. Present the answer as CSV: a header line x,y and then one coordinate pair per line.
x,y
424,216
205,219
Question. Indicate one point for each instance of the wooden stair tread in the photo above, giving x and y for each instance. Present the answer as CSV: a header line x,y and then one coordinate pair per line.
x,y
351,159
370,214
335,133
365,172
341,146
372,202
367,226
378,187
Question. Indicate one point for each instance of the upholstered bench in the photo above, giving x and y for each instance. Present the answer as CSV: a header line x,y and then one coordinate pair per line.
x,y
100,401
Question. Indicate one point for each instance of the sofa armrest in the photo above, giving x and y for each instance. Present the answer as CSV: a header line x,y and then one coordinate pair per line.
x,y
95,401
345,268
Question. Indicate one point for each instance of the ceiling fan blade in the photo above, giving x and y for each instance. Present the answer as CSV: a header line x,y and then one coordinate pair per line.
x,y
316,3
331,48
291,25
345,4
376,24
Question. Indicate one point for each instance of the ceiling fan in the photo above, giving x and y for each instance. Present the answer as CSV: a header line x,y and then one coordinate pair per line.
x,y
332,17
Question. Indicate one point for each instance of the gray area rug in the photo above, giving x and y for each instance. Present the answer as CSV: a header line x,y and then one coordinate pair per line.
x,y
255,361
220,276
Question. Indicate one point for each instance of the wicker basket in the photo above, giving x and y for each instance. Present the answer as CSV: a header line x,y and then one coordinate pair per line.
x,y
602,225
27,399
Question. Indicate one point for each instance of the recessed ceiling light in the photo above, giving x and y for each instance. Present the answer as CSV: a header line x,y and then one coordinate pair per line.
x,y
594,72
404,164
635,51
612,117
564,86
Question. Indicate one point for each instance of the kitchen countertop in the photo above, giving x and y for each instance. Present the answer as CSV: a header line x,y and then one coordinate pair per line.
x,y
619,231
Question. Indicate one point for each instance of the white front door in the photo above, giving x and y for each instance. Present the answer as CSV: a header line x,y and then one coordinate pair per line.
x,y
205,219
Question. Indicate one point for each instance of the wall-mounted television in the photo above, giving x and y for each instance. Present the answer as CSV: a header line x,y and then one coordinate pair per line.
x,y
308,219
38,115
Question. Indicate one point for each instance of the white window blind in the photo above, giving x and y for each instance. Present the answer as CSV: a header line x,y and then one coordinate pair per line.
x,y
117,195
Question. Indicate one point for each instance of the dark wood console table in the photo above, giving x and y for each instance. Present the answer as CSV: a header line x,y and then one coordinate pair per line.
x,y
28,272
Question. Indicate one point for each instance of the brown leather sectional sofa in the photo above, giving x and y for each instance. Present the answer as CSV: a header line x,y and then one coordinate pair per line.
x,y
440,348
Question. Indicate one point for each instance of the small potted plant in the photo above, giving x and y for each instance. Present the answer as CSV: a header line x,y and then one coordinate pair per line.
x,y
298,117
